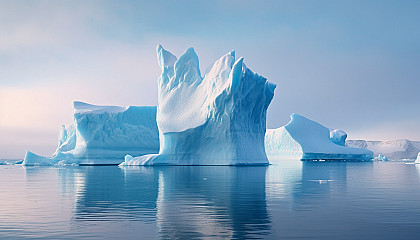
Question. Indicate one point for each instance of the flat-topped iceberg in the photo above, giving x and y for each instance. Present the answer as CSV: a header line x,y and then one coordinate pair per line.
x,y
308,140
103,135
218,119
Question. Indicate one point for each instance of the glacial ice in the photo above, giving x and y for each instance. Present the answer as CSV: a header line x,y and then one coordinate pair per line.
x,y
309,140
103,135
216,120
418,158
338,136
393,149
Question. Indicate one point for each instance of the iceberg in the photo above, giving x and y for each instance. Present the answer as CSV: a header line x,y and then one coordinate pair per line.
x,y
103,135
218,119
418,158
394,149
308,140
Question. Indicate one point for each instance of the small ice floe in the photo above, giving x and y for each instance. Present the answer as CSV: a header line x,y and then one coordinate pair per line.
x,y
321,181
380,157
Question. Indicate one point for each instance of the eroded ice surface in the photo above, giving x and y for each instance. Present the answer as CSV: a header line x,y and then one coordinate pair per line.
x,y
216,120
338,136
103,135
308,140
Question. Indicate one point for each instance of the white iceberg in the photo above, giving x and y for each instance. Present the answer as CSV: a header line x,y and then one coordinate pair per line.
x,y
418,158
103,135
394,149
308,140
216,120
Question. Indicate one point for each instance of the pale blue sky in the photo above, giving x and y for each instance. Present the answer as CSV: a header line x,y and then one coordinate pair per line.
x,y
353,65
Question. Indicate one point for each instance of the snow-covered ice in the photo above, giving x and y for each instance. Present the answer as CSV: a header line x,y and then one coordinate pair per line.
x,y
218,119
393,149
308,140
103,135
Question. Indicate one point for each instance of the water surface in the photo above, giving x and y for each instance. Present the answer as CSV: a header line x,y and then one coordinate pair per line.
x,y
305,200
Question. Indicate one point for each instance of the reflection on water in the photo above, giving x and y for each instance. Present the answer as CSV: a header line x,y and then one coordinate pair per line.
x,y
110,194
294,199
226,202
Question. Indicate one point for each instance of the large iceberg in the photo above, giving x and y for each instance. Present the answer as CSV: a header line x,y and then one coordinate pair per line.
x,y
103,135
216,120
308,140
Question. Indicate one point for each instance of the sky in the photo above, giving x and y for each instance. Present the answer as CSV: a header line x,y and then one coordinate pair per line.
x,y
353,65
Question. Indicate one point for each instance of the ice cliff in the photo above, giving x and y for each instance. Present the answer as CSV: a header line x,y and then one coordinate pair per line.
x,y
308,140
218,119
103,135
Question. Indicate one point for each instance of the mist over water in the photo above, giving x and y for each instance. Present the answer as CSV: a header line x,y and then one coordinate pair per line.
x,y
294,199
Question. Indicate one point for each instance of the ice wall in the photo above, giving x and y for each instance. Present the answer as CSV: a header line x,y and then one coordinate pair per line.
x,y
103,135
308,140
216,120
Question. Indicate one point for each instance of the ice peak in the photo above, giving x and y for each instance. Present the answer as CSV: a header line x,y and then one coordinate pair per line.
x,y
297,117
187,67
232,53
236,74
165,58
220,70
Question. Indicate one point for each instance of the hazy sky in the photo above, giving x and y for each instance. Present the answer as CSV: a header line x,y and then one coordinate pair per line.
x,y
353,65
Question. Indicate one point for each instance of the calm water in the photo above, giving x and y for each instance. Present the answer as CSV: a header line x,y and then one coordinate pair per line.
x,y
305,200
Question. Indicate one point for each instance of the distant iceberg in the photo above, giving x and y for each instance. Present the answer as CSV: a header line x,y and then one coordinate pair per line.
x,y
394,150
308,140
380,157
216,120
103,135
418,158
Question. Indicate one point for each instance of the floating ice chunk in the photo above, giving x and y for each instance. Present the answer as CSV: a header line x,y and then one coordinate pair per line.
x,y
216,120
127,159
308,140
103,135
418,158
380,157
32,159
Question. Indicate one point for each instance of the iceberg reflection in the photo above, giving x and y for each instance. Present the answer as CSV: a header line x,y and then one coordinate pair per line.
x,y
183,201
